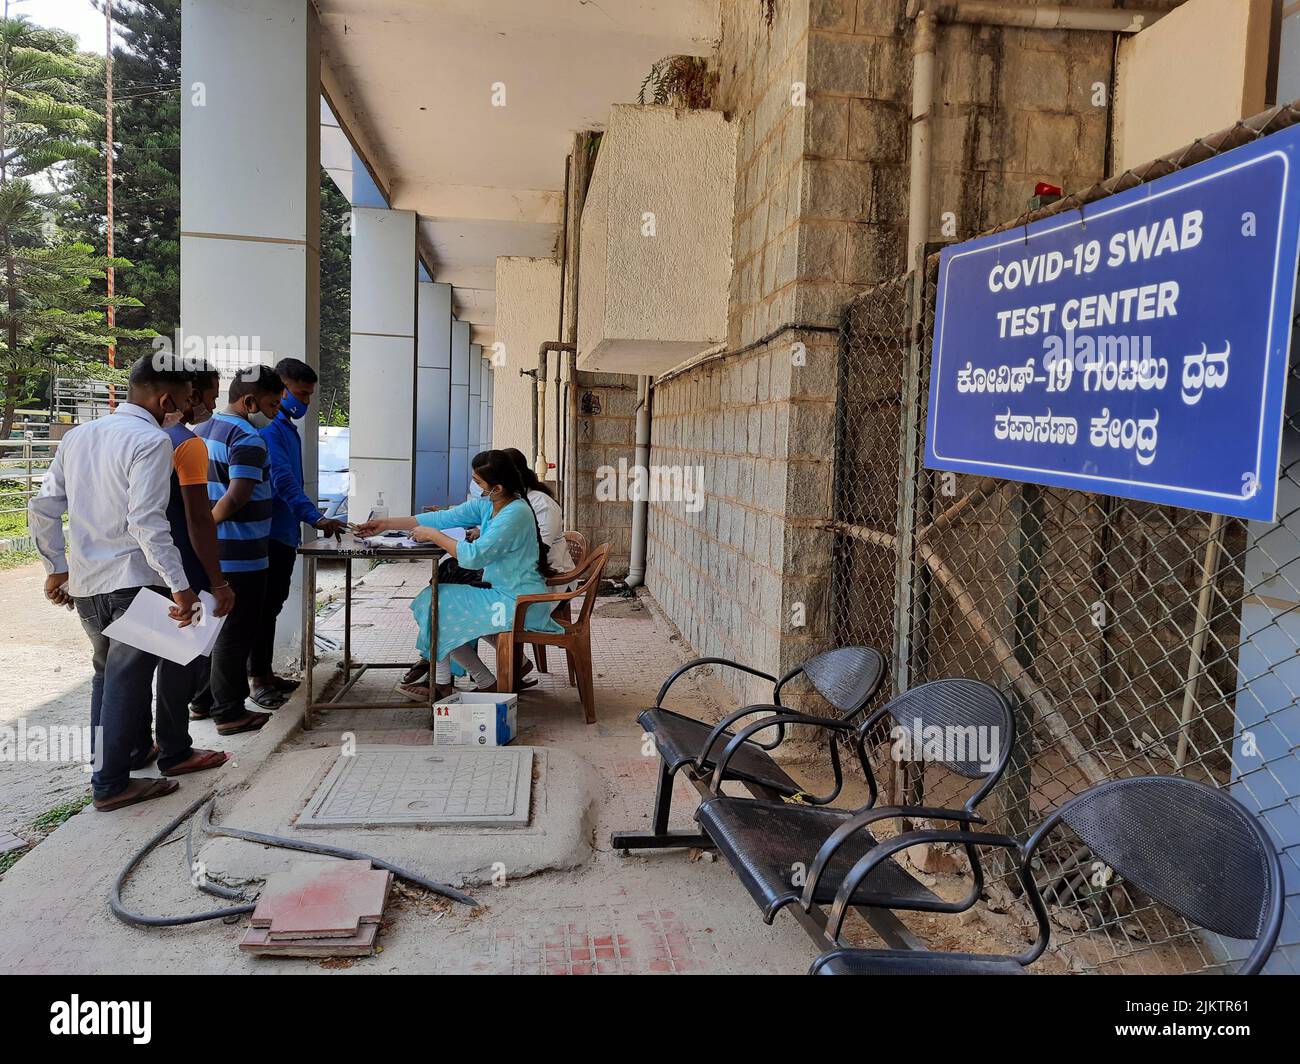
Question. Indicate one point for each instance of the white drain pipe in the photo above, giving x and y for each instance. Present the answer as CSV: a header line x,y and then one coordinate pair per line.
x,y
924,45
1043,16
641,505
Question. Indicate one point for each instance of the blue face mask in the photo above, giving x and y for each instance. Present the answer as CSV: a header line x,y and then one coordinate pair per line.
x,y
293,406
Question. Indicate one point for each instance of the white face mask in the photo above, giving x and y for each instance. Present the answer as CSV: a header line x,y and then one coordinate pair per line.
x,y
475,492
258,419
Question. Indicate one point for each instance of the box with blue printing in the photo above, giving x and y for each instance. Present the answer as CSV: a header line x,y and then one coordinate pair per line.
x,y
472,718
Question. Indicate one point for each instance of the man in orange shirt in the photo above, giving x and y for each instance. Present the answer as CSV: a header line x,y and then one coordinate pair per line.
x,y
195,534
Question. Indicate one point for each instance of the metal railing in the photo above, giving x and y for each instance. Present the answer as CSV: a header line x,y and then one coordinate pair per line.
x,y
1132,638
22,467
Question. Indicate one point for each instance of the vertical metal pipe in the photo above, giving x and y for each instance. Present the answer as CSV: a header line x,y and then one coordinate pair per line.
x,y
1209,563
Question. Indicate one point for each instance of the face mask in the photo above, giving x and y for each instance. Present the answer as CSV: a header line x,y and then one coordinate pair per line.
x,y
172,419
199,414
475,492
258,419
293,406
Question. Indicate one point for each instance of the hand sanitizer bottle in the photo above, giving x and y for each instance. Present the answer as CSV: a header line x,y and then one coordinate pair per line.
x,y
381,508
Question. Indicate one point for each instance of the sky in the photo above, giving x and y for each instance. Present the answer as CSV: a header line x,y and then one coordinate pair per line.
x,y
77,16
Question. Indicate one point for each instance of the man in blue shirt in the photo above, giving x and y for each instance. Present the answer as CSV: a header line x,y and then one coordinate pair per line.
x,y
239,486
290,509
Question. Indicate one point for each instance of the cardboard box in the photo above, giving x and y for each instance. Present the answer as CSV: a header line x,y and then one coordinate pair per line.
x,y
469,718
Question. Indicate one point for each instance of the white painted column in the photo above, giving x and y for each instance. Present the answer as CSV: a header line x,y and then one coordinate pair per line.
x,y
382,415
250,198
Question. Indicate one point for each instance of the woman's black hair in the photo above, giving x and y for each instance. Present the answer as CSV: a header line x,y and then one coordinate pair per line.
x,y
531,480
498,468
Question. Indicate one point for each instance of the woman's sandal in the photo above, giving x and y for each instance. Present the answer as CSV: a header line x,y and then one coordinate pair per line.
x,y
416,672
137,791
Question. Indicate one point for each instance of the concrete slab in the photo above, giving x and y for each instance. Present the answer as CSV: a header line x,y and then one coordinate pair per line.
x,y
566,792
377,785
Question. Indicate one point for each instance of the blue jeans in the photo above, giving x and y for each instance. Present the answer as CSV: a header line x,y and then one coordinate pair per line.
x,y
121,694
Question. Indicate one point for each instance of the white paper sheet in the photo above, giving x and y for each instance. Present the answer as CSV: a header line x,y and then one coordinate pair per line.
x,y
146,626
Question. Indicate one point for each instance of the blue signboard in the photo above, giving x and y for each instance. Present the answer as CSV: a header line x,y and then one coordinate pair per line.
x,y
1137,348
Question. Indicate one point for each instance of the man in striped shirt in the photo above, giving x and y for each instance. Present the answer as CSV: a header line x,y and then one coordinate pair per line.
x,y
239,485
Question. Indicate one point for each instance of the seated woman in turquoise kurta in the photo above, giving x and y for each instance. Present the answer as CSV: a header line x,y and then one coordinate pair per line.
x,y
511,554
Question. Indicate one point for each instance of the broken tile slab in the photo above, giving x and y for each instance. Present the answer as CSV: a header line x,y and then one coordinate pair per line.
x,y
315,900
10,842
362,944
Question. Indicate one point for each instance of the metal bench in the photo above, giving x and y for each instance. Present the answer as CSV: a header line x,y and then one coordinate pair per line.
x,y
798,855
847,678
1194,849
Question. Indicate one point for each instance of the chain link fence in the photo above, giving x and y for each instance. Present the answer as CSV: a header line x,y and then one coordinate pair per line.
x,y
1132,638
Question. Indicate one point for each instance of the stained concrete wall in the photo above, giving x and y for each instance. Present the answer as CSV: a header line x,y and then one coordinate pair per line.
x,y
528,314
1197,70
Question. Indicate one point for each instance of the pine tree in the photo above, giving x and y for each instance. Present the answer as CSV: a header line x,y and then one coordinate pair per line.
x,y
146,165
335,301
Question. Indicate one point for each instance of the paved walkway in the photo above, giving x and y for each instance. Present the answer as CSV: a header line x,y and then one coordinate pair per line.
x,y
666,912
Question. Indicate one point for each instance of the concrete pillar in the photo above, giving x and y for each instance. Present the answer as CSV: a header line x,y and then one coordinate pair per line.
x,y
433,395
382,417
458,485
250,195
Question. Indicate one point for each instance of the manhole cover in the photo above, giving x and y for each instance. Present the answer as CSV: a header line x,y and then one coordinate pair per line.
x,y
424,785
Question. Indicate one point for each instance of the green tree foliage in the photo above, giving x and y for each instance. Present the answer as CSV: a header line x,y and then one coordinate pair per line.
x,y
51,302
335,301
146,166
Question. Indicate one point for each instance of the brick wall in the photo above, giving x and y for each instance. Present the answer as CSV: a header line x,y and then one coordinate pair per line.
x,y
602,439
820,215
746,577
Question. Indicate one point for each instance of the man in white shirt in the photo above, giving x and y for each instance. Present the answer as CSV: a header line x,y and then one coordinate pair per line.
x,y
112,477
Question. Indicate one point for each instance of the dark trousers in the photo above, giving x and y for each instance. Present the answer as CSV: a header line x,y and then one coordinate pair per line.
x,y
121,693
279,575
227,686
177,687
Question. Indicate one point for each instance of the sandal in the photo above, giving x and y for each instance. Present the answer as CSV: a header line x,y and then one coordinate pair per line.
x,y
198,761
416,672
137,791
251,722
199,713
283,683
147,760
268,698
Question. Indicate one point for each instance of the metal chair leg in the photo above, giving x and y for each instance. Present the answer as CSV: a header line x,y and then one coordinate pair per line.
x,y
660,838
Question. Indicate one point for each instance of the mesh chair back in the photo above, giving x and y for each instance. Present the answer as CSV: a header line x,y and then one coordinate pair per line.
x,y
846,677
964,724
1192,848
